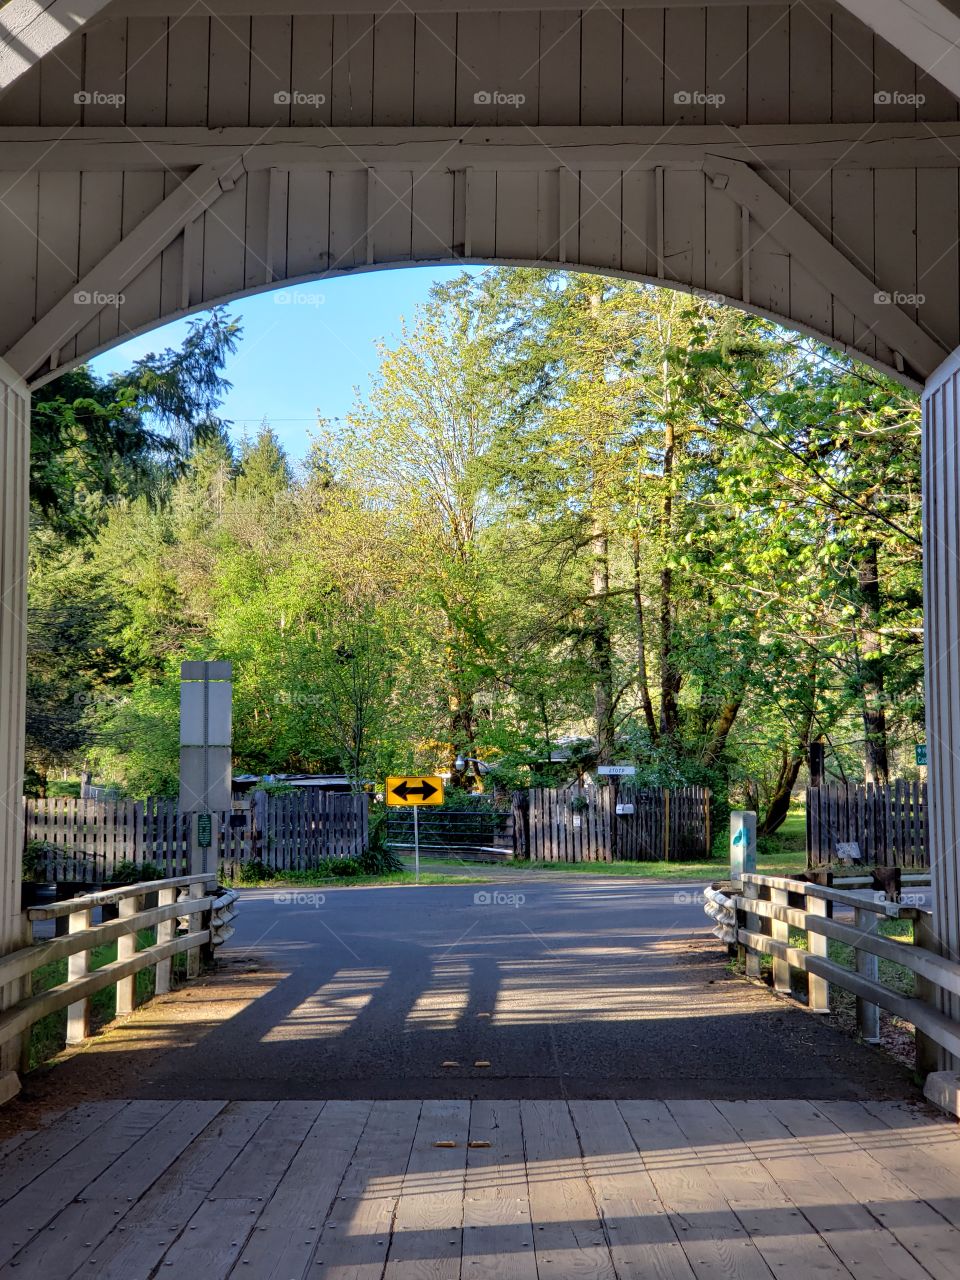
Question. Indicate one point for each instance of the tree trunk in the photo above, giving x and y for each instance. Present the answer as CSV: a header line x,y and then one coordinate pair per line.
x,y
790,767
728,715
876,760
601,645
670,677
643,681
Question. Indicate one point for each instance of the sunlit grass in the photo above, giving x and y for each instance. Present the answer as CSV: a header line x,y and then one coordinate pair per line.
x,y
48,1035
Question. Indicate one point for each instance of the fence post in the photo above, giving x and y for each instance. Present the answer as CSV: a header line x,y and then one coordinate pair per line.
x,y
707,796
818,989
78,965
666,824
166,931
126,949
929,1055
780,932
868,1015
748,957
193,922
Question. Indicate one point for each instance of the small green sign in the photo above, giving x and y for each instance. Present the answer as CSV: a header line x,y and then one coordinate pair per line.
x,y
204,830
921,753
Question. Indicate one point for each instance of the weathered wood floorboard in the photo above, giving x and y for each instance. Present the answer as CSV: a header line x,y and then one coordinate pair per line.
x,y
451,1190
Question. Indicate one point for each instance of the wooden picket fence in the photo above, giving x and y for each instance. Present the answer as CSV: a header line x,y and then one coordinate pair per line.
x,y
294,830
888,823
84,840
580,824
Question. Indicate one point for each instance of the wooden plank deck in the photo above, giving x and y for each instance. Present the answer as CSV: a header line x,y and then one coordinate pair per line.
x,y
459,1191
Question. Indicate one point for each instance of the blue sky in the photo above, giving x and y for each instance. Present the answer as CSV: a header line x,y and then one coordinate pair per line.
x,y
304,349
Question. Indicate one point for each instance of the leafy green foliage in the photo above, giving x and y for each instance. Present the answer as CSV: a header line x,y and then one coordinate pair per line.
x,y
571,520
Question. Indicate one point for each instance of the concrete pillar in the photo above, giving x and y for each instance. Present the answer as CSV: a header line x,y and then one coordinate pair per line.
x,y
941,554
14,513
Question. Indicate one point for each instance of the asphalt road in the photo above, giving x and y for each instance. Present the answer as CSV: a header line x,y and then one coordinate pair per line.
x,y
566,988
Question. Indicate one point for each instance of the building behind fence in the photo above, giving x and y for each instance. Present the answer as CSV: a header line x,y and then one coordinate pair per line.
x,y
581,824
887,823
85,841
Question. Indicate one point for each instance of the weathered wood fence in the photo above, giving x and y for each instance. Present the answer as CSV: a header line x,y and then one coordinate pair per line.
x,y
84,841
581,824
761,913
294,830
888,823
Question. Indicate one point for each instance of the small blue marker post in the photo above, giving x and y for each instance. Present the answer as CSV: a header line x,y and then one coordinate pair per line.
x,y
743,843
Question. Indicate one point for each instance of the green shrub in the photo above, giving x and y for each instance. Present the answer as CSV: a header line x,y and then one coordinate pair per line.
x,y
254,871
34,860
379,862
128,872
343,868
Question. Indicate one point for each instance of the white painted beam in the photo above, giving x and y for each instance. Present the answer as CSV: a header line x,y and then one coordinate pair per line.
x,y
848,284
926,31
121,265
154,8
29,30
778,146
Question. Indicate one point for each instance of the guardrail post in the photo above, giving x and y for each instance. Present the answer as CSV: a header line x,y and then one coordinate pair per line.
x,y
126,950
197,890
818,989
78,965
868,1015
929,1055
780,932
750,958
166,931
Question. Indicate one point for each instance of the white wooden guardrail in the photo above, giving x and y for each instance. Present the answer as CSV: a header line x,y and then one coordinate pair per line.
x,y
191,915
759,911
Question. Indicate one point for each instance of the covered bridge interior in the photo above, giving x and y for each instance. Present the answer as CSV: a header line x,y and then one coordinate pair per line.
x,y
801,160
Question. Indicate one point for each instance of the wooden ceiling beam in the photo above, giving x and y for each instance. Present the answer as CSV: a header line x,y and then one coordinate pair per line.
x,y
108,278
815,147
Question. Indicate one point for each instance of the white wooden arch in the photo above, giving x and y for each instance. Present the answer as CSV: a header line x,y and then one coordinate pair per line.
x,y
686,214
801,159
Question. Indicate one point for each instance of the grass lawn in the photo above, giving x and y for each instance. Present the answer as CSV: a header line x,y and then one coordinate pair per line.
x,y
890,974
779,854
309,879
48,1036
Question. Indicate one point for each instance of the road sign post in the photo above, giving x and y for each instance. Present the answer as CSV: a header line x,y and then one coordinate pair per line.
x,y
411,793
206,734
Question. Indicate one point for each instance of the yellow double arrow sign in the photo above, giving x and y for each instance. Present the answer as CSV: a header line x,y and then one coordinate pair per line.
x,y
413,791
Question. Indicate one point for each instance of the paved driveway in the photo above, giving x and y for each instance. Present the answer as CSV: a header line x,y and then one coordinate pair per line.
x,y
594,988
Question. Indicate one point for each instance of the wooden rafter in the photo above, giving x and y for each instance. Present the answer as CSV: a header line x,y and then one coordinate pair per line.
x,y
865,298
121,265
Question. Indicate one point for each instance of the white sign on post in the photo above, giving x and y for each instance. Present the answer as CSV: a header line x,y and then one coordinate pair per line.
x,y
617,770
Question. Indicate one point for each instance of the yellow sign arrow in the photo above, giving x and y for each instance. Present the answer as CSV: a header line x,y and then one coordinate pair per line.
x,y
413,791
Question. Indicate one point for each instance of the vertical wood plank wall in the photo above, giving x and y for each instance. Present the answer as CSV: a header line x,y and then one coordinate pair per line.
x,y
774,65
14,480
941,555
